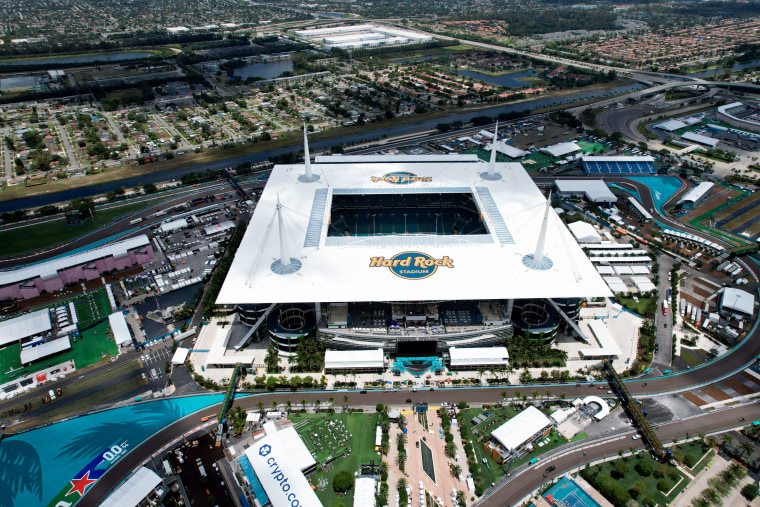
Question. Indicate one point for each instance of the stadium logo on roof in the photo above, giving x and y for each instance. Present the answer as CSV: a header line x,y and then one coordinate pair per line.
x,y
412,265
265,449
402,178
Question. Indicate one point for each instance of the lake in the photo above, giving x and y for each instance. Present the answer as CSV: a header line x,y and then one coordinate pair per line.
x,y
721,70
508,80
106,57
268,70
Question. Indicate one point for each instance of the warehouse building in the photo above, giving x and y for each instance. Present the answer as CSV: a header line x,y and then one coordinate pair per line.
x,y
693,197
518,434
736,303
595,191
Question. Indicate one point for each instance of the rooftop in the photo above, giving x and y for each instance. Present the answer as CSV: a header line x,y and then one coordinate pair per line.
x,y
441,265
23,326
521,428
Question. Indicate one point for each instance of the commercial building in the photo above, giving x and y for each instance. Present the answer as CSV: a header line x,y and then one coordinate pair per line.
x,y
49,276
411,254
693,197
363,36
560,150
473,358
275,468
519,433
618,166
360,361
595,191
700,139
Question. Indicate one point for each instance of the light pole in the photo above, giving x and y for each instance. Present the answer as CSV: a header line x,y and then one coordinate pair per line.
x,y
583,455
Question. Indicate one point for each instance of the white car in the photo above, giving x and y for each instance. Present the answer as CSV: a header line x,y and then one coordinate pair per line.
x,y
636,437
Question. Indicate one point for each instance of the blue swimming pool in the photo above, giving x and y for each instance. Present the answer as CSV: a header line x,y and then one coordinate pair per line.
x,y
39,465
567,492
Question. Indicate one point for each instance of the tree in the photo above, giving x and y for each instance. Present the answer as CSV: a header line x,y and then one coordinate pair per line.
x,y
747,447
345,403
342,482
456,471
450,449
275,404
750,492
272,360
317,403
379,408
150,188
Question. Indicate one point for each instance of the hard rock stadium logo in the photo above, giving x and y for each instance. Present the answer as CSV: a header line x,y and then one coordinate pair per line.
x,y
412,265
401,178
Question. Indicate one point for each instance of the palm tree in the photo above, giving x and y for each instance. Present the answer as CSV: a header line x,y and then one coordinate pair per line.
x,y
345,403
548,394
385,447
331,401
450,449
260,406
401,483
503,397
727,439
456,471
748,447
275,404
562,396
317,403
288,405
383,466
535,395
518,395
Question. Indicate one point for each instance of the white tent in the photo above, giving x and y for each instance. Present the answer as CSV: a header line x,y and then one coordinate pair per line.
x,y
120,329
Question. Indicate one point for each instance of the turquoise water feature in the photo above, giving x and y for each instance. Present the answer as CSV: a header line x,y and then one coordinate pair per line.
x,y
38,466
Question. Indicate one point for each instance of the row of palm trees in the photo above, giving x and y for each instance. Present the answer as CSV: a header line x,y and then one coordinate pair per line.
x,y
316,404
535,394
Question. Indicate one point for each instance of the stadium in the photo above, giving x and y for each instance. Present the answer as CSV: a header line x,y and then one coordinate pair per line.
x,y
409,253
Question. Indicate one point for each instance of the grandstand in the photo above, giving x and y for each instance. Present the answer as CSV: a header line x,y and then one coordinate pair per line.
x,y
618,166
409,253
738,114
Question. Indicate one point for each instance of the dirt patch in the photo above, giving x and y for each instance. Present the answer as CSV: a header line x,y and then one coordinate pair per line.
x,y
699,291
736,206
718,197
694,399
739,387
716,393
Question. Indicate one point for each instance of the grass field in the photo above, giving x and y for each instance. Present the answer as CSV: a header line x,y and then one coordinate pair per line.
x,y
696,450
629,303
606,472
36,237
590,147
361,442
93,307
537,161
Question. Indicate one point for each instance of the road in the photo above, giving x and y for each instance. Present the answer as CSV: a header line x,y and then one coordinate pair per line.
x,y
118,133
70,152
663,324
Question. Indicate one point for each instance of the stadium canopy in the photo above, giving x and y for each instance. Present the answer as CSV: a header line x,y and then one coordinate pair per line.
x,y
561,149
31,354
339,268
643,283
54,265
700,139
354,359
593,190
30,324
134,491
286,451
618,165
175,225
584,232
478,356
615,284
671,125
120,329
509,151
519,430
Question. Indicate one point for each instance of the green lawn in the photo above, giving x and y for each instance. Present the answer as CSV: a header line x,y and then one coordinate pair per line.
x,y
591,147
537,161
92,307
40,236
361,427
690,358
695,450
604,476
630,304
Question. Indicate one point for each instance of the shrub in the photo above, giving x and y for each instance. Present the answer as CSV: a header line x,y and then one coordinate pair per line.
x,y
689,461
750,491
664,485
343,481
636,489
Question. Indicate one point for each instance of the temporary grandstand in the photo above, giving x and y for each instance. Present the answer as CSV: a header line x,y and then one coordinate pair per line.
x,y
635,207
618,166
593,190
400,252
693,197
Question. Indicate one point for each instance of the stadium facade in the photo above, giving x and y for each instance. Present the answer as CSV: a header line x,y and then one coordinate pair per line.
x,y
411,254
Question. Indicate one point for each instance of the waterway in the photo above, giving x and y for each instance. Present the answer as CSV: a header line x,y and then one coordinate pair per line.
x,y
268,70
510,80
107,57
397,130
722,70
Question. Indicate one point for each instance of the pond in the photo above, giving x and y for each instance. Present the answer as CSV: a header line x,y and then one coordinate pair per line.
x,y
107,57
268,70
508,80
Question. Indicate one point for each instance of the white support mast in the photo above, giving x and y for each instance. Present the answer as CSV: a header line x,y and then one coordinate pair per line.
x,y
538,260
308,176
492,175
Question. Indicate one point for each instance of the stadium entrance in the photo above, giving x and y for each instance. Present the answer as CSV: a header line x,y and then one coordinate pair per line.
x,y
416,356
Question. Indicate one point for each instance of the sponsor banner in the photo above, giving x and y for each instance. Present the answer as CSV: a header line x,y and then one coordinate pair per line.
x,y
412,265
401,178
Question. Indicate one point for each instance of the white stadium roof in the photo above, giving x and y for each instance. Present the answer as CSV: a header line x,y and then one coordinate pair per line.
x,y
738,300
671,125
608,347
338,268
521,428
54,265
561,149
643,283
30,324
336,359
616,284
283,451
479,356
